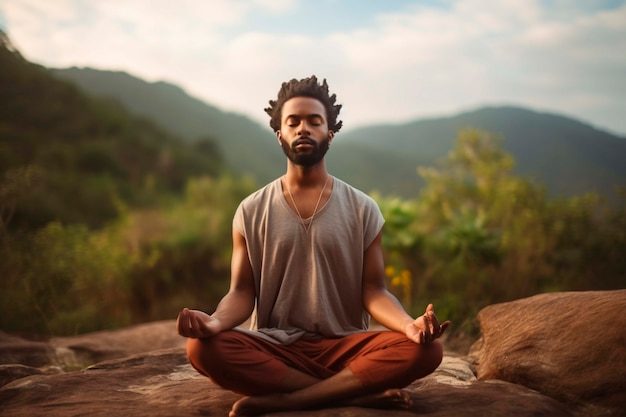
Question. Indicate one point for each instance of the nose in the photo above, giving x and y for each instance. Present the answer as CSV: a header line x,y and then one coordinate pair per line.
x,y
303,128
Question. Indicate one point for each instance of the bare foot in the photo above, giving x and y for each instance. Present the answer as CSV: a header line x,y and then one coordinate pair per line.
x,y
392,398
254,406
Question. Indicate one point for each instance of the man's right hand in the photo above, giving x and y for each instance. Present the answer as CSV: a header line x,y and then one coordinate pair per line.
x,y
197,324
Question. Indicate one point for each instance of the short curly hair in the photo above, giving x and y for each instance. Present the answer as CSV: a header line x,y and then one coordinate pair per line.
x,y
307,87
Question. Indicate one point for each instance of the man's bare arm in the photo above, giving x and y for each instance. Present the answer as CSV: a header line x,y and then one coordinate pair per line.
x,y
234,308
385,308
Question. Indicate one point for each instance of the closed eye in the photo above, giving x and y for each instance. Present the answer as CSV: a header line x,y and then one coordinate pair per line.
x,y
316,121
313,120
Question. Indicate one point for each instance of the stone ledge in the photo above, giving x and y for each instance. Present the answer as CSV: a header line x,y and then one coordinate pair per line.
x,y
142,370
163,384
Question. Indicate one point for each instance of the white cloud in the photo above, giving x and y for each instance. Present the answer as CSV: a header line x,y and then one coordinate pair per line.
x,y
416,62
275,6
437,61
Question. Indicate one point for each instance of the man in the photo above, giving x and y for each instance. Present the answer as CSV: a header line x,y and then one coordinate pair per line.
x,y
307,264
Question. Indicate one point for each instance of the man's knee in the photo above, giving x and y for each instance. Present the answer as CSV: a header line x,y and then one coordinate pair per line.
x,y
232,361
420,358
398,364
416,361
208,352
426,358
195,352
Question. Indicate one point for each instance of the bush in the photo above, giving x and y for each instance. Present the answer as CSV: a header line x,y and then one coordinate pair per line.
x,y
146,265
477,235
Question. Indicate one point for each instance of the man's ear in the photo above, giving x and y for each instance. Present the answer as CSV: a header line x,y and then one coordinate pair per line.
x,y
331,135
278,136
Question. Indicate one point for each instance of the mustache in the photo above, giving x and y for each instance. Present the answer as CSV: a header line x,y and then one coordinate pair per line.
x,y
304,141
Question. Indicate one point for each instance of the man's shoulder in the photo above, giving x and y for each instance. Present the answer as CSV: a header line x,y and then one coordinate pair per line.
x,y
352,192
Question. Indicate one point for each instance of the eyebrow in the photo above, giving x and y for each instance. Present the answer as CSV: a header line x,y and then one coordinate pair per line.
x,y
309,116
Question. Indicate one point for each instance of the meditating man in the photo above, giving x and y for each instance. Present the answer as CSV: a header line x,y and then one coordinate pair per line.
x,y
307,264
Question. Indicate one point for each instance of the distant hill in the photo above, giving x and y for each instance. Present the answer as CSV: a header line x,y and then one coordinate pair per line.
x,y
83,157
247,147
567,156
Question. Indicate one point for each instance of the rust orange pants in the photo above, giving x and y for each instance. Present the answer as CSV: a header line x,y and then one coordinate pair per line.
x,y
250,365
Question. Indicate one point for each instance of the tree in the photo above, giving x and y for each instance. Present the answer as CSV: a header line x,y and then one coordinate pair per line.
x,y
477,232
476,235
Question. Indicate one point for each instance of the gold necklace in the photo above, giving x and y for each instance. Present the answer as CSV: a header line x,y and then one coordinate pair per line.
x,y
306,229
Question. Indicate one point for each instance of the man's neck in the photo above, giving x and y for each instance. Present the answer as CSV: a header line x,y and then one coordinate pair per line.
x,y
305,177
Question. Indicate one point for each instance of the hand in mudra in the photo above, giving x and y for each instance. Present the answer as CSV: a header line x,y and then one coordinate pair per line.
x,y
426,328
197,324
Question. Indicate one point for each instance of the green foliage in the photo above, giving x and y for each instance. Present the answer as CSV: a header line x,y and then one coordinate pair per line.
x,y
62,280
477,235
473,236
186,248
103,215
145,265
17,185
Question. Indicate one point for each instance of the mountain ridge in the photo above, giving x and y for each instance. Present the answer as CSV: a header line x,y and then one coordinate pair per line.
x,y
181,113
547,147
568,156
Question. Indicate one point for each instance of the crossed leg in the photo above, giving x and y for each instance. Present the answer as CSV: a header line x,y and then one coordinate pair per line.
x,y
365,370
341,389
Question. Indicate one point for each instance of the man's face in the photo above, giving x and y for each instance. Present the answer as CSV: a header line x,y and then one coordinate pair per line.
x,y
304,134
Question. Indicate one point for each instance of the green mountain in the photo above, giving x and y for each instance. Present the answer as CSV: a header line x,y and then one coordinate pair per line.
x,y
67,156
568,156
247,147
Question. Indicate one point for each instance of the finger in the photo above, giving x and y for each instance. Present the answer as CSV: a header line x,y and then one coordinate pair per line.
x,y
182,322
444,326
428,324
188,325
201,327
196,325
435,323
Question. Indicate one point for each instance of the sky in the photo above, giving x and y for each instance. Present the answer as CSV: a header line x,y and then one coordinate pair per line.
x,y
387,61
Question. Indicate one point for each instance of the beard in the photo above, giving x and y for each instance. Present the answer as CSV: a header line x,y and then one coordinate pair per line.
x,y
307,159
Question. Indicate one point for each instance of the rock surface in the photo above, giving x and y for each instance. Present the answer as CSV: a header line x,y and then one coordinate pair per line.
x,y
143,371
570,346
163,384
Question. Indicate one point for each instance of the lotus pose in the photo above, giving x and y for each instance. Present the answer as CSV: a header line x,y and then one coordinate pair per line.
x,y
307,267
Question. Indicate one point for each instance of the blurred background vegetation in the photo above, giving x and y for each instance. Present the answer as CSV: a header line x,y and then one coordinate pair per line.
x,y
109,219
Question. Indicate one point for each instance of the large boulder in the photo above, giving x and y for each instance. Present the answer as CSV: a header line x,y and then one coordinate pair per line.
x,y
570,346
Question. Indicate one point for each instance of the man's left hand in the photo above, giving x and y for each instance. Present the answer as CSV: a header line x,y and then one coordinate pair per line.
x,y
426,328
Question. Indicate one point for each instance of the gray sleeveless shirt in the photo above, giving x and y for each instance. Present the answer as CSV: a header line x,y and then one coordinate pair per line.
x,y
308,284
